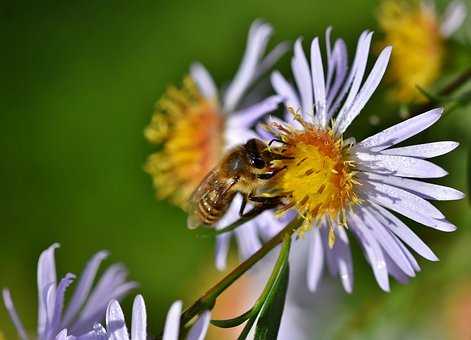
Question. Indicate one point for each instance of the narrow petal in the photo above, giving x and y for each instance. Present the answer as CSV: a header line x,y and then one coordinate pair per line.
x,y
272,58
315,260
366,91
402,199
302,76
172,323
83,288
453,18
204,81
355,77
248,116
139,319
318,82
395,271
412,213
115,322
59,304
46,277
372,250
399,166
62,335
10,307
400,132
247,239
401,230
199,329
259,35
387,242
222,250
428,150
425,190
285,90
340,63
343,259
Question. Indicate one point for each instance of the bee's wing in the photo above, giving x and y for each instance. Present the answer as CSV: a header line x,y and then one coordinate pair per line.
x,y
213,188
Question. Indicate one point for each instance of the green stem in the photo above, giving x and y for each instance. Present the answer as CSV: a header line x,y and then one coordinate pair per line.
x,y
284,252
206,302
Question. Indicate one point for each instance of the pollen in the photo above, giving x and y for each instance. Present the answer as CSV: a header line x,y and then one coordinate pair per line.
x,y
318,178
413,30
188,131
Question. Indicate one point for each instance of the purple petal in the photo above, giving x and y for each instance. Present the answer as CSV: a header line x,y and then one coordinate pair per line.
x,y
372,251
395,271
387,242
247,117
399,165
172,323
59,304
10,307
453,18
356,75
272,58
46,277
115,322
427,150
403,199
340,63
366,91
315,260
302,76
343,258
199,329
425,190
400,132
318,82
403,232
83,288
259,35
139,319
204,81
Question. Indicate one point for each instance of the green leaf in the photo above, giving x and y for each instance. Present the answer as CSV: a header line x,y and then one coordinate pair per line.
x,y
469,174
270,316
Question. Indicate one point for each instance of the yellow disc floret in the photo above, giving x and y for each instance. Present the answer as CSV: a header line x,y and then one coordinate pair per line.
x,y
412,29
318,178
189,131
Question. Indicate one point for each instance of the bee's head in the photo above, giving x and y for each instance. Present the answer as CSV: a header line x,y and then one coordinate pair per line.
x,y
256,153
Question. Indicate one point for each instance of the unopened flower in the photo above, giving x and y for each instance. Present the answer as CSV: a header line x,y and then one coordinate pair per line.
x,y
195,124
87,304
116,324
336,184
418,36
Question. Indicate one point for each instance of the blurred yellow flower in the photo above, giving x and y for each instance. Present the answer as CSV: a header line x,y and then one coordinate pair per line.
x,y
413,29
189,127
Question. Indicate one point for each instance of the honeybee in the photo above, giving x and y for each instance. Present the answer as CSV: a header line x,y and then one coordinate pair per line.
x,y
244,169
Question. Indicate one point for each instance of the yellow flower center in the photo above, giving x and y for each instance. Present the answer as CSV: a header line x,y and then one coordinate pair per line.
x,y
189,130
318,179
413,31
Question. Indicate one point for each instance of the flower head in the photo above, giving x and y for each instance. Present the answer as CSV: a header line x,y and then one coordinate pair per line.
x,y
116,324
418,36
86,307
196,124
338,185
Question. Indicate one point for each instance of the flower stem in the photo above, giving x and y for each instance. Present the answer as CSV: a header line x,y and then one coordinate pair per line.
x,y
207,301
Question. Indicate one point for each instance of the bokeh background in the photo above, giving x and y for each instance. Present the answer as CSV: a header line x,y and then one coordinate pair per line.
x,y
79,80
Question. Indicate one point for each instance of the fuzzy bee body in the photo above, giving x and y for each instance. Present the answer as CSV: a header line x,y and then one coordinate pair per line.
x,y
244,169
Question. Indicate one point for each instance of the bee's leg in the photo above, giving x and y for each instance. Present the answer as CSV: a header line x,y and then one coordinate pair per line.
x,y
267,201
269,175
279,156
242,206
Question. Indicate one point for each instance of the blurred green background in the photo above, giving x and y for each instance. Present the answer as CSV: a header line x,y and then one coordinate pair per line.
x,y
79,80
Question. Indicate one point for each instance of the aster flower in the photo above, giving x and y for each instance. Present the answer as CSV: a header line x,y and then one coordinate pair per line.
x,y
197,123
86,307
418,36
338,185
116,324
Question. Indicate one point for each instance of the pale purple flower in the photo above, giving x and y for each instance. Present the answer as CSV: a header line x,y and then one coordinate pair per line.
x,y
116,324
87,304
390,177
240,114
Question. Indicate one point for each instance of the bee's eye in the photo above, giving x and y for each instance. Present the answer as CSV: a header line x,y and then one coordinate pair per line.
x,y
258,163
